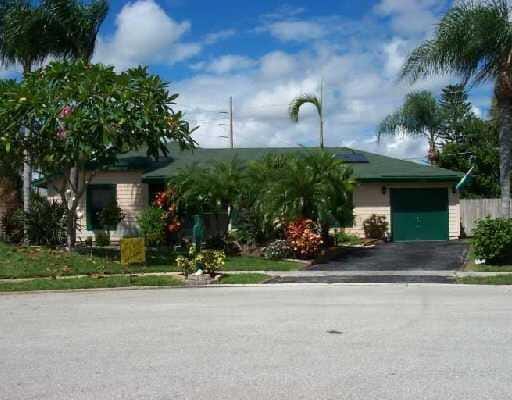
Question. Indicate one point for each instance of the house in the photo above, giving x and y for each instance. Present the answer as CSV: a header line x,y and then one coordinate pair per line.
x,y
419,201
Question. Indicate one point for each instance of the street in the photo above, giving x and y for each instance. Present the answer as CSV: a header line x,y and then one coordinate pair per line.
x,y
275,342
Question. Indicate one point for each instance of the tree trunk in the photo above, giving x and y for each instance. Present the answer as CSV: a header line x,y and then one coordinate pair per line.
x,y
27,189
321,132
27,169
505,117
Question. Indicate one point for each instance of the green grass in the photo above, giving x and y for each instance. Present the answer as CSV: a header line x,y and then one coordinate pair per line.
x,y
88,283
243,279
32,262
487,280
246,263
471,266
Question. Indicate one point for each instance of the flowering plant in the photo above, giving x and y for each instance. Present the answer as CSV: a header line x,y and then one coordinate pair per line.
x,y
164,201
304,238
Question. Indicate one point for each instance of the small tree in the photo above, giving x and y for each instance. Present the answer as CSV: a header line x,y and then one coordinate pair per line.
x,y
86,116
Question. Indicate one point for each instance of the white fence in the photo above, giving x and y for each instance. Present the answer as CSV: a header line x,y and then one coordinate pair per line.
x,y
473,210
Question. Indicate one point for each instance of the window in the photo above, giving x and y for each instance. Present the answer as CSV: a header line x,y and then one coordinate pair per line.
x,y
98,197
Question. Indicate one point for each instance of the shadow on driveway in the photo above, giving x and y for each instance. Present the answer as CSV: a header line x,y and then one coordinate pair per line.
x,y
410,256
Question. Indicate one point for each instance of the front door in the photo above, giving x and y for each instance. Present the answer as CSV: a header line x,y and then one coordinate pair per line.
x,y
419,214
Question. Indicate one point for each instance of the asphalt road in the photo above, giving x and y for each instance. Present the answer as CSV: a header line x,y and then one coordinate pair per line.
x,y
274,342
401,256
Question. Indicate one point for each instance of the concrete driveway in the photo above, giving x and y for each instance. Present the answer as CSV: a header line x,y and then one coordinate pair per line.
x,y
385,342
410,256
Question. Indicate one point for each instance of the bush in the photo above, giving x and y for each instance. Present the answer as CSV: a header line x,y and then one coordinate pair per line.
x,y
152,223
102,239
186,266
303,236
492,240
375,227
111,216
277,250
133,251
46,223
211,261
347,238
12,225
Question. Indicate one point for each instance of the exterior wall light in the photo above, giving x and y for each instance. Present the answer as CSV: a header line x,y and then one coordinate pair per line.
x,y
384,190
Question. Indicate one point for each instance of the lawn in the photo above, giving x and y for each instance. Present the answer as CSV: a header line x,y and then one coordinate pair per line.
x,y
487,280
89,283
243,279
471,266
20,262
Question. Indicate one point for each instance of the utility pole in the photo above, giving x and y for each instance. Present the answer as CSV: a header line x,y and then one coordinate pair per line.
x,y
231,136
231,133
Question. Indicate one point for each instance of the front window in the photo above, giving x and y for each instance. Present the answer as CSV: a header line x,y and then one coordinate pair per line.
x,y
98,198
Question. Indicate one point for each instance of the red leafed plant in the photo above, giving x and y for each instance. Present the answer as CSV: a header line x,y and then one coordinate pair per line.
x,y
164,201
304,238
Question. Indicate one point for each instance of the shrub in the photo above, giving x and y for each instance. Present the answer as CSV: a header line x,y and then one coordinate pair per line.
x,y
492,240
186,266
12,225
46,223
303,236
152,223
111,216
133,251
375,227
277,250
211,261
102,239
347,238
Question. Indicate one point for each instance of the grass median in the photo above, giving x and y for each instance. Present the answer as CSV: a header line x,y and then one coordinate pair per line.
x,y
88,283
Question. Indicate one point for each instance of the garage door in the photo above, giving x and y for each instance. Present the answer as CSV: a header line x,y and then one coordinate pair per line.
x,y
419,214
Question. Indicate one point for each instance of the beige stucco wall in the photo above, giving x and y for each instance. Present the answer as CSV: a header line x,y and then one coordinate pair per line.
x,y
132,197
369,199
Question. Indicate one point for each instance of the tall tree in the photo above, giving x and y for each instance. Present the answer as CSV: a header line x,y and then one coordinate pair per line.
x,y
77,25
26,40
86,116
474,41
455,111
418,116
299,101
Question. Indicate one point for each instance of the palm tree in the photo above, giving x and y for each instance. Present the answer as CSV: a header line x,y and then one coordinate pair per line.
x,y
30,33
474,40
24,40
299,101
77,25
418,116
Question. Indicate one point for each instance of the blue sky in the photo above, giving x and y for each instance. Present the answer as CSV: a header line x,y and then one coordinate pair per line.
x,y
265,52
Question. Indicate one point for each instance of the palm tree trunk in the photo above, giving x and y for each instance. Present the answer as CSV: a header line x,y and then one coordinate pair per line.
x,y
321,132
27,172
505,107
27,190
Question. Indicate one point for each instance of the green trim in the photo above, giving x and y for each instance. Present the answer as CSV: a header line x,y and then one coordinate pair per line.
x,y
90,226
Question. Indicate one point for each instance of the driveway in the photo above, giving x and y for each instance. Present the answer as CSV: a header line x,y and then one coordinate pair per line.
x,y
382,342
410,256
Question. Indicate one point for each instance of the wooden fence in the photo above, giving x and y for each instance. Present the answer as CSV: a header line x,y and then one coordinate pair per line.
x,y
473,210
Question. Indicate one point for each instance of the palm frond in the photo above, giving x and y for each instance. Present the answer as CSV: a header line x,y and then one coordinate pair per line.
x,y
299,101
473,40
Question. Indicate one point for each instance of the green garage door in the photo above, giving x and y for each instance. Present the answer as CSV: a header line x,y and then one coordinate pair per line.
x,y
419,214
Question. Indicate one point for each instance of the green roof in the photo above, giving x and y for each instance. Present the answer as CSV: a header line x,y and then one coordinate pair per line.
x,y
378,168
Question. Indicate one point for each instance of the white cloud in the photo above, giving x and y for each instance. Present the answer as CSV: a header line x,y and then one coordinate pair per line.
x,y
291,31
411,17
145,34
215,37
226,64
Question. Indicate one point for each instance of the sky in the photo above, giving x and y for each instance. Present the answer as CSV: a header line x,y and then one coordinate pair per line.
x,y
264,53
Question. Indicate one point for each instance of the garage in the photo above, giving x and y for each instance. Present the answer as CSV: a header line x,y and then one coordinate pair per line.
x,y
419,214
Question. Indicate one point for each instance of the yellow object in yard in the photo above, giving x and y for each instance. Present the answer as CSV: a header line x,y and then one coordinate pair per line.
x,y
133,251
